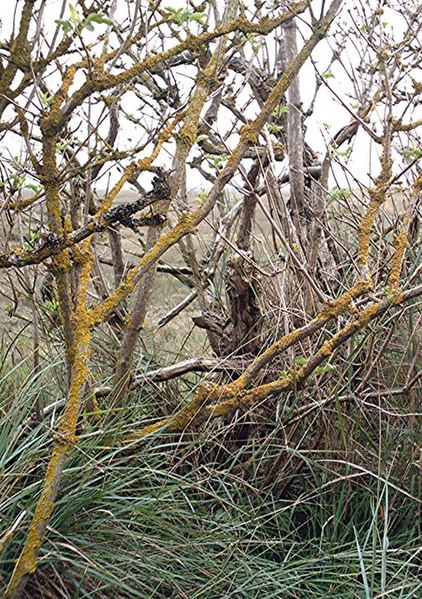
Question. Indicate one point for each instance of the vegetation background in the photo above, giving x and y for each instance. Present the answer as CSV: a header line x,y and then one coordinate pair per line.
x,y
209,299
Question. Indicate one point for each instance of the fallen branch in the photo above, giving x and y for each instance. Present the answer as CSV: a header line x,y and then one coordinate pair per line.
x,y
166,373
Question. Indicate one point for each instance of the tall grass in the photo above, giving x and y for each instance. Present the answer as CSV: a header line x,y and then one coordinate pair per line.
x,y
209,514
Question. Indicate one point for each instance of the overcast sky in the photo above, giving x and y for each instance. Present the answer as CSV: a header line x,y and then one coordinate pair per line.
x,y
329,115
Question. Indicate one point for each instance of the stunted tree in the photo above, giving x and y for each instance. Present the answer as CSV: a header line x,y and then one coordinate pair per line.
x,y
199,109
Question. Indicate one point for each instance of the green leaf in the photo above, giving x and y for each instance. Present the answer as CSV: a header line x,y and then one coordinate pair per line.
x,y
327,75
323,369
46,99
251,39
275,128
35,188
182,15
199,17
63,146
65,25
218,161
411,154
74,14
202,195
98,17
345,154
340,194
279,110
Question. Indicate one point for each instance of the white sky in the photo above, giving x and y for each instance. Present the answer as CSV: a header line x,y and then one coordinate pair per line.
x,y
329,115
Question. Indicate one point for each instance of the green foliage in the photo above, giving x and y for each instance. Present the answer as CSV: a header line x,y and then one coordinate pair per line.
x,y
202,195
46,99
183,16
411,154
340,194
217,161
31,239
339,153
201,138
36,188
274,128
252,40
323,370
16,181
96,17
279,110
75,22
64,145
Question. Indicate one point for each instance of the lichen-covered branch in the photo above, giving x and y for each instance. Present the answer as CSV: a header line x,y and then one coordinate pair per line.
x,y
121,214
248,136
101,81
214,401
64,437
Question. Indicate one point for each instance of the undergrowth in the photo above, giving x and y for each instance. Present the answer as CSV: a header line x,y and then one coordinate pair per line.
x,y
325,508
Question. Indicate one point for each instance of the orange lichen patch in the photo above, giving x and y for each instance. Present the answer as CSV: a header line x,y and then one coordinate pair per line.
x,y
24,203
400,244
51,122
186,223
107,202
27,562
417,185
81,347
365,228
342,303
62,261
189,415
164,136
249,134
49,176
67,225
65,436
244,399
62,92
377,197
279,346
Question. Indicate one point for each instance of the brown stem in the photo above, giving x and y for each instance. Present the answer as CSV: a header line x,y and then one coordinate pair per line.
x,y
64,438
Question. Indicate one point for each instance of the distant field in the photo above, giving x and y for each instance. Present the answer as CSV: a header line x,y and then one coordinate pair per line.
x,y
169,291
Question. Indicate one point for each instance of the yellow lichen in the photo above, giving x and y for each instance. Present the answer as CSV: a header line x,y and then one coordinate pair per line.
x,y
65,436
400,244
